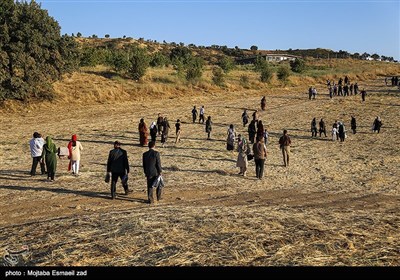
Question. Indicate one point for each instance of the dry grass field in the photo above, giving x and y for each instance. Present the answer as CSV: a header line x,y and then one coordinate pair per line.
x,y
336,204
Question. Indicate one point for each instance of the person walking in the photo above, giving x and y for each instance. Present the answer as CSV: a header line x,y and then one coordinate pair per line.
x,y
165,130
242,162
334,133
260,154
263,103
336,126
201,115
363,94
118,166
260,129
252,131
322,128
152,169
208,127
177,131
376,127
255,115
74,154
153,131
143,133
49,155
314,92
194,114
355,89
36,146
160,120
342,132
284,144
266,136
314,128
245,118
353,124
230,140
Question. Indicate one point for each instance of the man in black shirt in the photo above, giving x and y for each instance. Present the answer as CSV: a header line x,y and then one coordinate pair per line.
x,y
118,166
152,169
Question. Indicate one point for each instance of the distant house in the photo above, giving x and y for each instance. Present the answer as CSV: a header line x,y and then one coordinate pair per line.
x,y
267,57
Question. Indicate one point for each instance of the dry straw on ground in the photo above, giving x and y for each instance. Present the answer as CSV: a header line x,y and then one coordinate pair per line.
x,y
337,203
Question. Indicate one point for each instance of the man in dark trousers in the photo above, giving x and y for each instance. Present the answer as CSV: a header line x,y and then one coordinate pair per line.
x,y
118,166
363,94
194,114
284,144
152,169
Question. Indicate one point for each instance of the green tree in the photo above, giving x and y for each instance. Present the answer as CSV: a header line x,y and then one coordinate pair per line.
x,y
356,55
194,69
120,62
260,63
227,64
375,56
79,34
158,60
298,65
107,36
139,62
253,48
181,54
90,57
218,76
266,74
33,54
283,73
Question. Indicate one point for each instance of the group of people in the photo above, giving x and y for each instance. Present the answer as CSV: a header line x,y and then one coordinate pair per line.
x,y
45,153
160,127
343,88
394,80
339,130
322,128
200,113
118,167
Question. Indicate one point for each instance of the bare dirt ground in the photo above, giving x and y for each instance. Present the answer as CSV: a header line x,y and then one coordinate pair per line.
x,y
337,203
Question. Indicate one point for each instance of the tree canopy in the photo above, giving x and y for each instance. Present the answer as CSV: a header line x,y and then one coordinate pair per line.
x,y
33,54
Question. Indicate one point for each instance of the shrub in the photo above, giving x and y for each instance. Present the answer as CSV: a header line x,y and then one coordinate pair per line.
x,y
194,69
283,73
227,64
158,60
244,81
266,74
298,65
218,76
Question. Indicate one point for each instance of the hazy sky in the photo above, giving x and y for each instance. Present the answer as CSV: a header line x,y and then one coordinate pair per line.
x,y
354,26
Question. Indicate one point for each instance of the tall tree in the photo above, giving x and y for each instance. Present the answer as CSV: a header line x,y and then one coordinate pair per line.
x,y
139,62
33,54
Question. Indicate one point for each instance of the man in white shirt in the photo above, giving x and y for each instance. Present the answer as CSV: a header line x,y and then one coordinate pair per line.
x,y
36,145
201,119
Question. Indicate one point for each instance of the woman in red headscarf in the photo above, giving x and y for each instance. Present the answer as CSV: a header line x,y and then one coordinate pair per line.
x,y
74,148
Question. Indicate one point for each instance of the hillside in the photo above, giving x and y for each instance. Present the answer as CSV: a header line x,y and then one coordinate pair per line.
x,y
101,85
337,203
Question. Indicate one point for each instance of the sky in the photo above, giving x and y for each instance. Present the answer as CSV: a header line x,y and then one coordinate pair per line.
x,y
353,26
